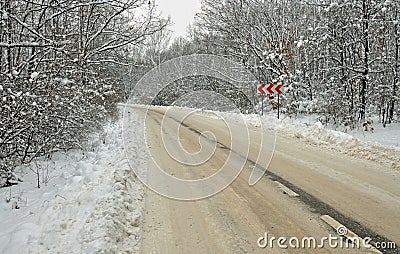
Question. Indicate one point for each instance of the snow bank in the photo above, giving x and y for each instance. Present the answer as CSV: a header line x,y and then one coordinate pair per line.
x,y
313,132
88,203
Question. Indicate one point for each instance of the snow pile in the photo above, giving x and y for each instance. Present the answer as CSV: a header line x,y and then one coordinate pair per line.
x,y
88,203
317,134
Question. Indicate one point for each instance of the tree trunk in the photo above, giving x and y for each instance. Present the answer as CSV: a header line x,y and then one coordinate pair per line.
x,y
9,39
396,70
364,78
383,111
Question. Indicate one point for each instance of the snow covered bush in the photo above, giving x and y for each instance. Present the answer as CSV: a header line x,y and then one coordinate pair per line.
x,y
61,70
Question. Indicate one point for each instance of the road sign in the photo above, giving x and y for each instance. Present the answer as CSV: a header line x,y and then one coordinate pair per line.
x,y
271,89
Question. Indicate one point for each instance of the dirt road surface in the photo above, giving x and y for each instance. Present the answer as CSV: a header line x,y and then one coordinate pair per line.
x,y
362,195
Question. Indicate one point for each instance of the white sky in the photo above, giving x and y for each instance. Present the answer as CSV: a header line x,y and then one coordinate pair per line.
x,y
181,12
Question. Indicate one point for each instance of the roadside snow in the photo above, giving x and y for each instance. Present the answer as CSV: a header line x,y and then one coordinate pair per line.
x,y
89,202
388,136
310,130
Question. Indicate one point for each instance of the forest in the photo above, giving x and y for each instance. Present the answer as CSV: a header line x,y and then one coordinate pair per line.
x,y
64,64
336,58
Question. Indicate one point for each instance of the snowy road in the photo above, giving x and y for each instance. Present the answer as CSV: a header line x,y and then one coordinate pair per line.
x,y
362,195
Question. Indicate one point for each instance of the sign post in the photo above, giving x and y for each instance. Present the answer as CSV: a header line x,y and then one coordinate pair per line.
x,y
261,93
263,89
278,105
262,105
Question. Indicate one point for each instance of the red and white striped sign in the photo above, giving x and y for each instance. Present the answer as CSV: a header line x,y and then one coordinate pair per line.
x,y
271,89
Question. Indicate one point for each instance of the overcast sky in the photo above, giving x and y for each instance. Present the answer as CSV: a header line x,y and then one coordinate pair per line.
x,y
181,12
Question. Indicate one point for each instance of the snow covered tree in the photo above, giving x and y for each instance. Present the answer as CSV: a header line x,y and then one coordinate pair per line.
x,y
61,69
338,58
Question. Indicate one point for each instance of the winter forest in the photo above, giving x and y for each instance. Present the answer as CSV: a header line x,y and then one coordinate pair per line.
x,y
64,64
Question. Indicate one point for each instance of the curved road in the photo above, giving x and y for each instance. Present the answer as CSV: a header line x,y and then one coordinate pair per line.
x,y
362,195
